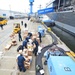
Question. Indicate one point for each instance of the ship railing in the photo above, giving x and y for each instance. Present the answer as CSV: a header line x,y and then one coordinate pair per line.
x,y
63,8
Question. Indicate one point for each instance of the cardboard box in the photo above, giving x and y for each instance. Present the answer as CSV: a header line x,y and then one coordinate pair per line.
x,y
33,37
26,55
30,57
12,35
34,34
8,46
14,44
30,52
13,40
26,59
27,65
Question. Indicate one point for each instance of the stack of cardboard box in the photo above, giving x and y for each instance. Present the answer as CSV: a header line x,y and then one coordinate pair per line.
x,y
29,51
28,58
12,42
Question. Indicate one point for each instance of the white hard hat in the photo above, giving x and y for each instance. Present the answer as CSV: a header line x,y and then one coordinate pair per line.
x,y
20,51
30,40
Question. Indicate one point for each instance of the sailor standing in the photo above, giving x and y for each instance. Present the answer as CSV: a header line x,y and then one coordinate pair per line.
x,y
36,46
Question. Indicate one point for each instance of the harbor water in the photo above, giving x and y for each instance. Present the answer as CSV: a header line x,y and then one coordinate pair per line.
x,y
68,39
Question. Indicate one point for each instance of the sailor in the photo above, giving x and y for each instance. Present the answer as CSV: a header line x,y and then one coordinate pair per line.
x,y
25,25
22,22
1,27
40,36
47,54
36,46
20,61
30,34
25,43
20,47
28,17
27,38
19,35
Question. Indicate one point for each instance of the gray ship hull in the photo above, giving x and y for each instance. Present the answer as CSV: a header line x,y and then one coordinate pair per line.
x,y
64,19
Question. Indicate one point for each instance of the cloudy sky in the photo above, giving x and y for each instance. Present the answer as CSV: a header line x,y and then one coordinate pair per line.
x,y
22,5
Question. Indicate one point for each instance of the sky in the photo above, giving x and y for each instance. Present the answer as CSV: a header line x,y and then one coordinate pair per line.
x,y
22,5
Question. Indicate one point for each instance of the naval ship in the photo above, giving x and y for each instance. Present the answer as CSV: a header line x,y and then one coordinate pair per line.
x,y
64,14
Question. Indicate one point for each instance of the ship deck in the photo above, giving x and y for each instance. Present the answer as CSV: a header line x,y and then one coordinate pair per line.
x,y
8,65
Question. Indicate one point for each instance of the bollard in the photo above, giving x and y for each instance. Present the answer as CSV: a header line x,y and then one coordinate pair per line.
x,y
42,22
49,29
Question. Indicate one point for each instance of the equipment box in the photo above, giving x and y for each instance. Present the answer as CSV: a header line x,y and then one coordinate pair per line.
x,y
61,65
